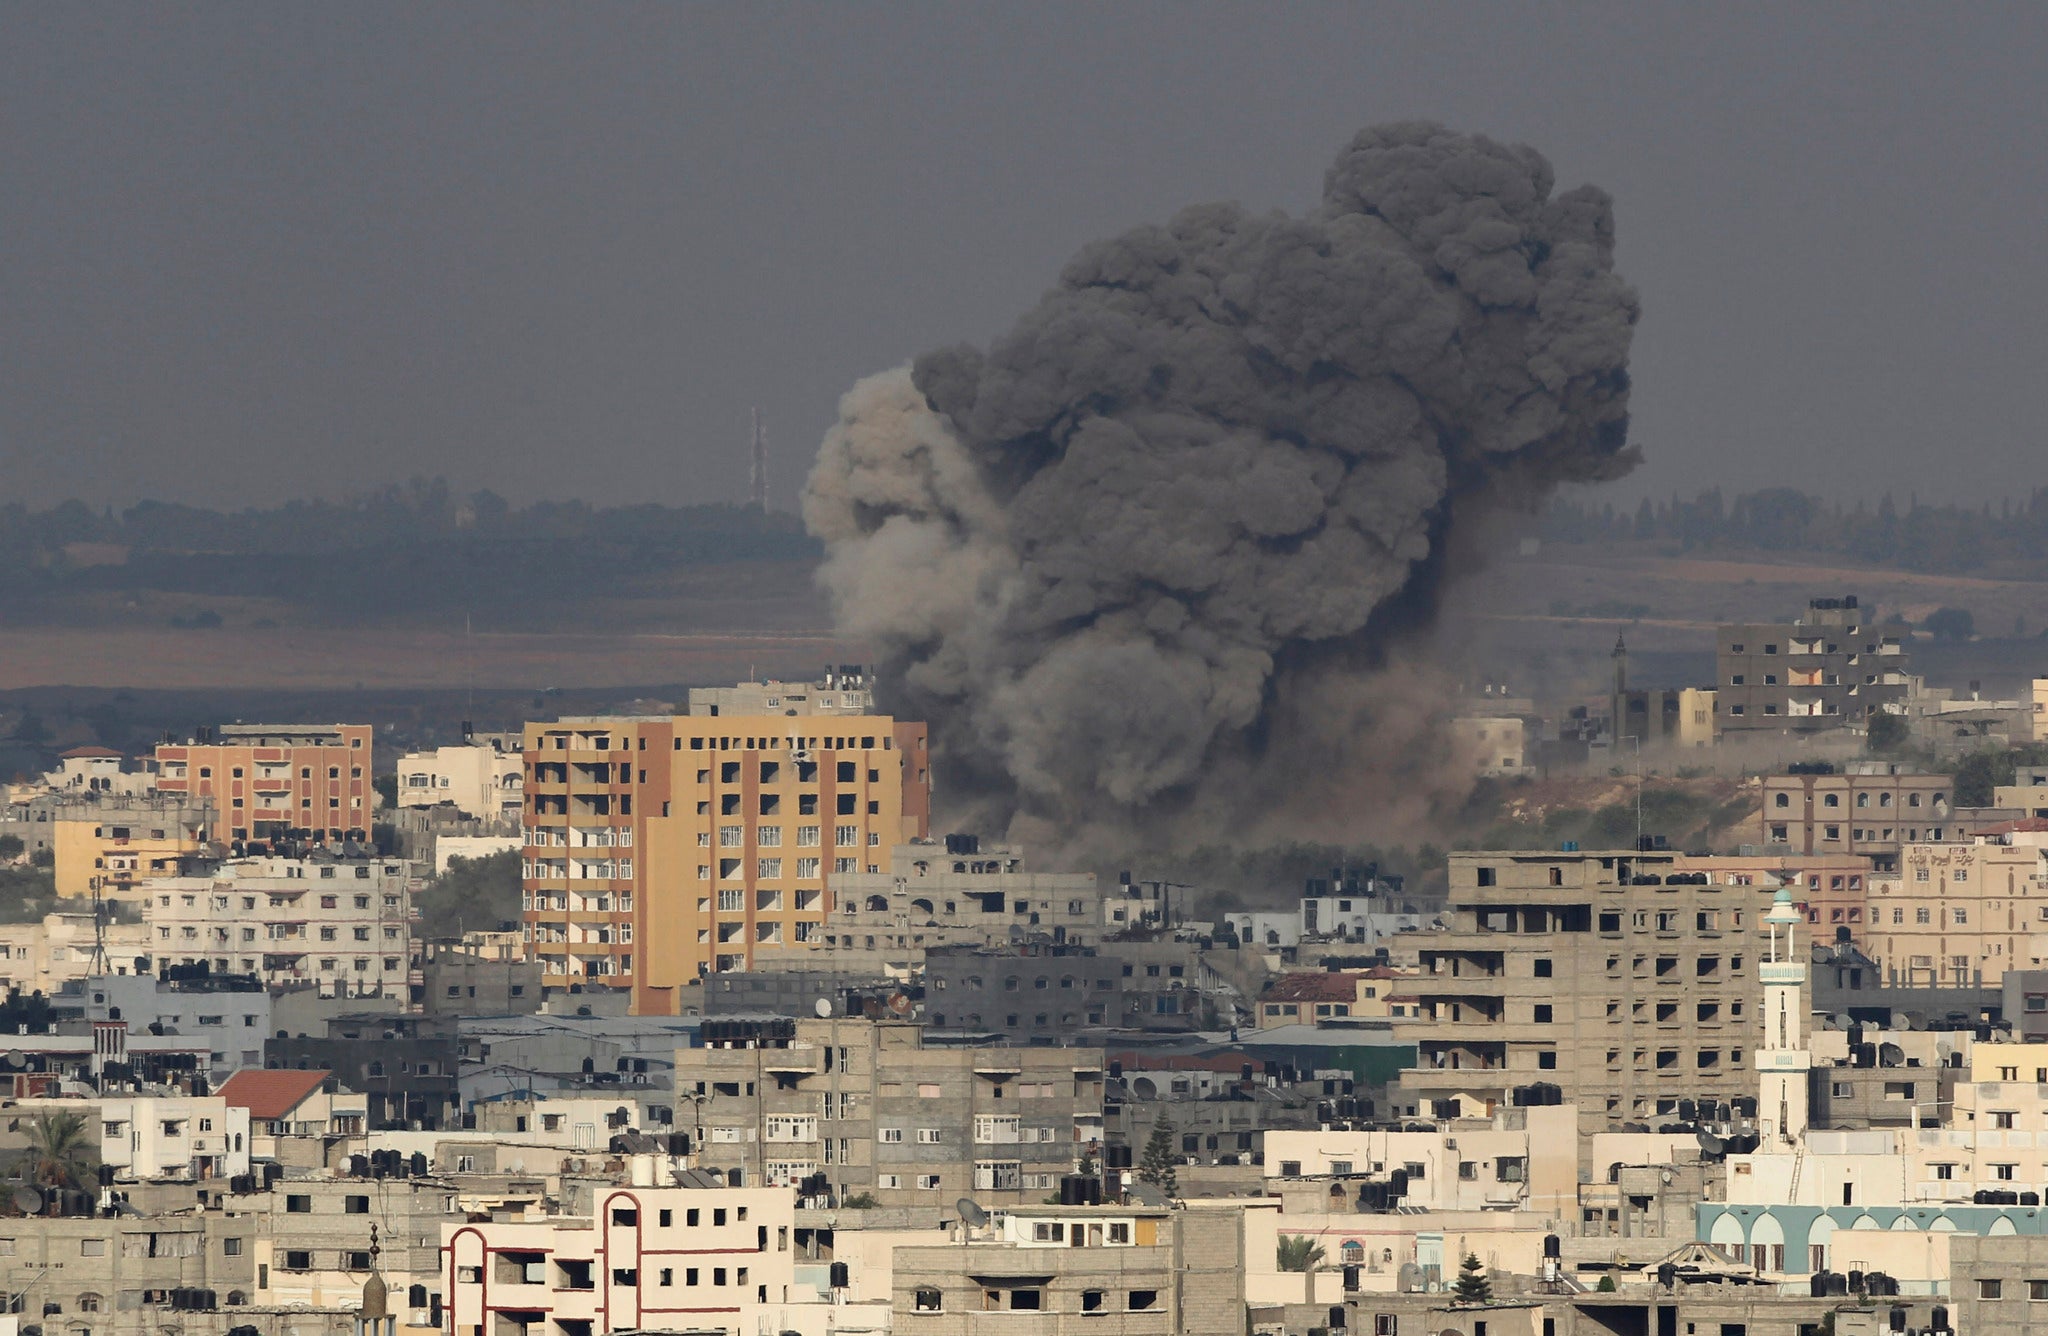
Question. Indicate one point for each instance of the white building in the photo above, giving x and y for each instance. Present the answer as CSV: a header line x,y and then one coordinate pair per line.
x,y
153,1137
484,777
344,925
844,689
230,1014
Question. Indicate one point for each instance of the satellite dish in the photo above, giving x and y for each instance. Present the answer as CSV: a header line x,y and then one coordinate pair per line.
x,y
16,1058
1915,1021
28,1201
822,1007
971,1213
1944,1050
1711,1144
1147,1195
1890,1055
1841,1020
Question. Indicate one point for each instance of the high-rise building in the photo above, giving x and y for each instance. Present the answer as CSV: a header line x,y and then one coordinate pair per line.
x,y
662,848
1832,668
277,781
1624,979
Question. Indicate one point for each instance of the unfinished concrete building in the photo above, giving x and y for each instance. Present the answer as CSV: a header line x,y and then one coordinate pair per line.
x,y
1615,977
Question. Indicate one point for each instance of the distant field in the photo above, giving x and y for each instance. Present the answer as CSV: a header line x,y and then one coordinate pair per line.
x,y
384,657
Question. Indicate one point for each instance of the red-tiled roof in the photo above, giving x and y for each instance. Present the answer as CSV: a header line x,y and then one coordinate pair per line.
x,y
270,1094
2026,825
1307,987
82,753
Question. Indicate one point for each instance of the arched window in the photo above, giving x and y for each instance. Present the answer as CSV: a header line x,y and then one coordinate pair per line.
x,y
236,1298
88,1303
1353,1252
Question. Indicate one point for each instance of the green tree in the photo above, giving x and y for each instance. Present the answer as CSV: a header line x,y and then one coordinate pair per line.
x,y
473,894
59,1151
1298,1252
1157,1166
1473,1287
1951,624
1606,1285
1980,774
1889,733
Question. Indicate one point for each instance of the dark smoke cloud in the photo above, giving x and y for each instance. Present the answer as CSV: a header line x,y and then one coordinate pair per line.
x,y
1145,562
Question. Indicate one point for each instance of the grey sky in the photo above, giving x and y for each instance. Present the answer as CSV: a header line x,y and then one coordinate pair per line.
x,y
252,252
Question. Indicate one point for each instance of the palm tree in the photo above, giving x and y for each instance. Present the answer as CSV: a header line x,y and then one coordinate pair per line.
x,y
59,1151
1302,1253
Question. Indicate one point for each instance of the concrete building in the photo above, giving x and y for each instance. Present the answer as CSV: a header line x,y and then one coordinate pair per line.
x,y
456,982
1999,1285
1492,746
1653,1000
1831,668
660,849
1520,1159
845,689
110,846
100,772
127,1276
228,1013
2028,793
484,777
874,1109
1069,1270
314,1239
62,948
343,925
646,1259
953,892
282,1106
189,1138
1871,808
1962,914
274,781
1050,994
406,1067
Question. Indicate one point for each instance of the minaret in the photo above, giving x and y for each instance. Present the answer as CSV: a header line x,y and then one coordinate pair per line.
x,y
1782,1062
1619,705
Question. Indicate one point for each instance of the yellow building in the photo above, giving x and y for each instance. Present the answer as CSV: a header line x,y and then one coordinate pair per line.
x,y
112,848
1957,911
662,848
1697,718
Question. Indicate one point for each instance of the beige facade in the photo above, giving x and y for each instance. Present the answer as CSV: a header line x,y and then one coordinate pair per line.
x,y
43,956
1518,1159
1494,747
2040,701
1871,809
647,1259
660,849
874,1111
1618,977
1955,913
270,780
482,778
932,894
2027,793
841,691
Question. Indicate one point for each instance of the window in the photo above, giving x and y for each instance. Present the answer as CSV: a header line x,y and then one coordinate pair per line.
x,y
298,1205
2037,1291
1988,1288
929,1301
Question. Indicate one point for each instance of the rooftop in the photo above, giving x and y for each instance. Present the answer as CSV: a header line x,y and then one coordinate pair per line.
x,y
270,1094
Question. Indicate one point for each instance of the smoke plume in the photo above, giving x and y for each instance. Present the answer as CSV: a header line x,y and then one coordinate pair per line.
x,y
1149,563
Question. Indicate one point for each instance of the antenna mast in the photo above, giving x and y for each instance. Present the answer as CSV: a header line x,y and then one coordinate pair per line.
x,y
757,470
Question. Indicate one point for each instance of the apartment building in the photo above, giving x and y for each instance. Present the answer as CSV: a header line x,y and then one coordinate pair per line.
x,y
314,1239
145,1138
953,892
872,1109
129,1275
844,689
1832,667
284,1105
1870,808
661,849
1491,747
1521,1158
1616,976
273,781
59,949
484,777
228,1013
2028,793
1961,914
110,846
343,925
1074,1270
695,1259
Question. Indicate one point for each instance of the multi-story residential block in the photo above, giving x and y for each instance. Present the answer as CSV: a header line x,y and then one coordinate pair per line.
x,y
1870,808
952,892
485,777
1517,1158
873,1110
1962,914
2028,793
343,925
158,1137
286,1105
129,1275
99,772
277,781
59,949
844,689
1491,746
407,1067
700,1260
314,1240
110,846
1069,1270
1832,668
1615,976
1041,994
661,849
459,982
228,1013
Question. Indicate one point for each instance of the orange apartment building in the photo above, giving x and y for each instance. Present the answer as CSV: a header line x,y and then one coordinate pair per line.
x,y
659,849
271,781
